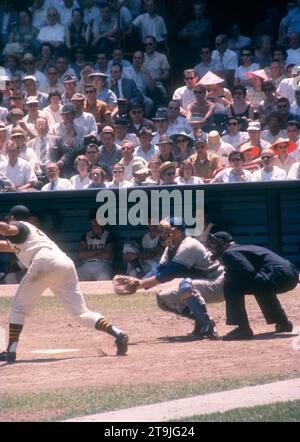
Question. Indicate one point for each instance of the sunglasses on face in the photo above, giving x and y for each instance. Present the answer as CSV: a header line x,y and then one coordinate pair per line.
x,y
189,78
267,157
235,160
199,92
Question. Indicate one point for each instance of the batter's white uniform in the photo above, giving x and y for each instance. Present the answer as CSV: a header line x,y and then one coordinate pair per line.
x,y
48,267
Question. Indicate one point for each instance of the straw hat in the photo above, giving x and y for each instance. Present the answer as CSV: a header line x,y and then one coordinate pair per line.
x,y
259,73
255,151
291,146
167,165
181,134
214,140
210,78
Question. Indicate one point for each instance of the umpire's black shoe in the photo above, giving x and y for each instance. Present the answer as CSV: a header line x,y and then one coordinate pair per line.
x,y
284,327
122,344
239,333
9,357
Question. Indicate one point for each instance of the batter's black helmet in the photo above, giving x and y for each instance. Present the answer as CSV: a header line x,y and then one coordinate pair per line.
x,y
20,213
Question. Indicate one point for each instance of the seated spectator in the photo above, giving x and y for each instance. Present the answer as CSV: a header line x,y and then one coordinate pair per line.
x,y
77,33
63,65
185,94
15,118
79,54
150,23
293,134
85,120
103,92
294,172
263,45
39,13
146,148
81,180
268,172
29,67
68,131
32,105
53,32
110,154
286,87
161,121
177,122
235,173
234,135
196,32
154,176
23,33
283,110
95,253
204,162
98,108
69,83
98,177
128,159
91,12
3,139
217,146
240,108
104,31
186,174
255,135
165,146
206,62
255,93
167,173
137,119
251,154
55,182
269,104
183,146
282,149
65,10
143,256
8,18
237,41
247,65
274,72
295,106
46,57
18,136
41,146
140,174
55,106
54,83
18,171
156,63
30,86
273,131
102,65
118,181
293,53
201,108
16,81
121,125
3,110
224,60
123,87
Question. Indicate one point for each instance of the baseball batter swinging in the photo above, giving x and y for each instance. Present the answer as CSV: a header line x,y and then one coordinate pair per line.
x,y
48,267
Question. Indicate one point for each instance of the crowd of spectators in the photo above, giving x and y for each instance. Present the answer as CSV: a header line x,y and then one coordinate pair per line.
x,y
88,98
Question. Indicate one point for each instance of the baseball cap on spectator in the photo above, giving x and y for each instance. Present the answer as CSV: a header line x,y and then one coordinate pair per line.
x,y
145,130
16,111
17,131
210,78
32,99
90,139
254,125
97,74
164,139
161,114
78,97
67,109
214,140
108,130
29,77
69,78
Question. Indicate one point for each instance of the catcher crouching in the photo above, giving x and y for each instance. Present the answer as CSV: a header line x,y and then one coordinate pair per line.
x,y
183,256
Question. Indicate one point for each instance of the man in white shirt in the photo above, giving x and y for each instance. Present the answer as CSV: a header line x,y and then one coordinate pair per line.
x,y
293,53
151,24
29,66
54,32
39,13
156,63
91,12
287,86
17,170
185,94
269,172
65,10
224,61
85,120
40,144
234,136
216,145
55,183
177,123
147,149
18,136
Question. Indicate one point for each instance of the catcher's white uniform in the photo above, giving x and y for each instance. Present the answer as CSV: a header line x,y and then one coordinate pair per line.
x,y
48,267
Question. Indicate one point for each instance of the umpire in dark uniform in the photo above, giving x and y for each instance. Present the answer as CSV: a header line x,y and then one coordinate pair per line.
x,y
258,271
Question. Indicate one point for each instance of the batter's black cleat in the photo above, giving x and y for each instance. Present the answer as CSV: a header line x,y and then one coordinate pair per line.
x,y
284,327
9,357
239,333
122,344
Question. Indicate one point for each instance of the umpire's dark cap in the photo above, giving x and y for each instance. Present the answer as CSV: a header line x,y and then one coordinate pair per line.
x,y
20,213
224,236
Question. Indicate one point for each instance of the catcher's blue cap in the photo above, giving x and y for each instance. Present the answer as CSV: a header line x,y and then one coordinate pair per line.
x,y
186,285
20,213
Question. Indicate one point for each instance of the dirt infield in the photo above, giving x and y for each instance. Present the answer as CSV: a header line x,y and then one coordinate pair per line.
x,y
159,350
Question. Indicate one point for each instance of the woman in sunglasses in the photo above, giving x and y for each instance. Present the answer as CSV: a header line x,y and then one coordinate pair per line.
x,y
235,173
269,103
240,108
201,108
182,144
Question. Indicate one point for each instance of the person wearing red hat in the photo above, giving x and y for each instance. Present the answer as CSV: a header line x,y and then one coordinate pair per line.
x,y
282,148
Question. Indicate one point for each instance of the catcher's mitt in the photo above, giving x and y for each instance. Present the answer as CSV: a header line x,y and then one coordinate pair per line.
x,y
125,285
